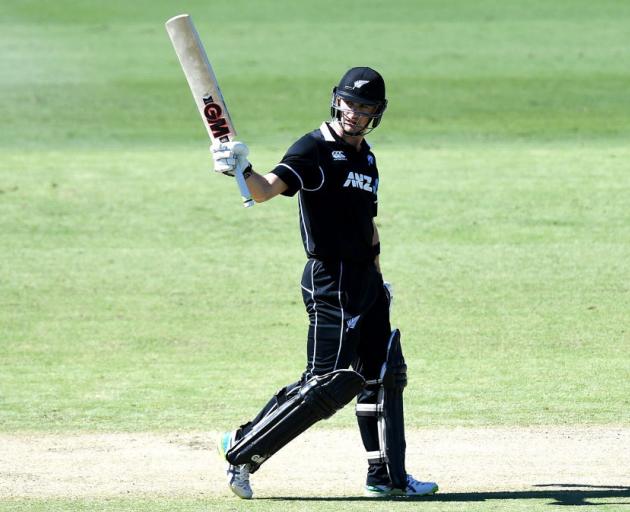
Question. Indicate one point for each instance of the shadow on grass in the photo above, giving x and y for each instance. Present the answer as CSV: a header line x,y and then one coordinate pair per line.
x,y
560,494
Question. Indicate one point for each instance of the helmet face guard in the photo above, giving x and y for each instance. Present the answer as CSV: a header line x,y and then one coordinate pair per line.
x,y
359,85
337,112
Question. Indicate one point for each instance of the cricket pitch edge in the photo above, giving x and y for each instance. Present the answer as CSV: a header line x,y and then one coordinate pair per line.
x,y
321,462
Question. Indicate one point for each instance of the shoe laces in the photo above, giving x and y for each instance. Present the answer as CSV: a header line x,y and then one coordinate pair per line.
x,y
242,474
412,482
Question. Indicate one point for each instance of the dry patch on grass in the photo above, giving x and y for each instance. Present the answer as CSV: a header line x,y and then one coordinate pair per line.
x,y
321,462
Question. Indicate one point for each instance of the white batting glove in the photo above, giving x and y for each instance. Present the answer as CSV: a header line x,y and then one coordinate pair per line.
x,y
389,292
229,156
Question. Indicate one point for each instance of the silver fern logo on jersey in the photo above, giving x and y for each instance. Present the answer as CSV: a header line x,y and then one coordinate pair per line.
x,y
352,322
361,181
339,155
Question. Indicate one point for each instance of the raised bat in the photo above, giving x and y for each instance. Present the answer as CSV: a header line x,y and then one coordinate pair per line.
x,y
205,88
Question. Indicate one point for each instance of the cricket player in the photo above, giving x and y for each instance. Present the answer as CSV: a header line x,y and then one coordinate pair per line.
x,y
334,174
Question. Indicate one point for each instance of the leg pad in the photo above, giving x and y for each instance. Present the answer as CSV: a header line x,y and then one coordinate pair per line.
x,y
319,398
388,410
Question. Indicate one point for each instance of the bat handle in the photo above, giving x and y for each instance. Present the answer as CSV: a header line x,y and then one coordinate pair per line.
x,y
242,186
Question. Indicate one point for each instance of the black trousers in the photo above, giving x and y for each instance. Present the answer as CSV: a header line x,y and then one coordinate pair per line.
x,y
349,325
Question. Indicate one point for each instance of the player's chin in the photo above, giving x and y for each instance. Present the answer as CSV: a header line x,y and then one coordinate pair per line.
x,y
353,130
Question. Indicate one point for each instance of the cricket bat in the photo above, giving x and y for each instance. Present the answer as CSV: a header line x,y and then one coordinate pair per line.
x,y
205,88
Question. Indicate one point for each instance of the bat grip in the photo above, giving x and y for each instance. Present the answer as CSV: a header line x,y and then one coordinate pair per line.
x,y
242,186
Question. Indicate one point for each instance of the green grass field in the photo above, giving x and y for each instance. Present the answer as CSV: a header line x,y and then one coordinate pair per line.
x,y
137,295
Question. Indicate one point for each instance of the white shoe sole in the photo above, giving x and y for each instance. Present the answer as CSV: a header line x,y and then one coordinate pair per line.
x,y
398,493
242,493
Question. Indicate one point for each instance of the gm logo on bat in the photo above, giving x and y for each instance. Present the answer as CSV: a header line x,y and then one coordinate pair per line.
x,y
214,117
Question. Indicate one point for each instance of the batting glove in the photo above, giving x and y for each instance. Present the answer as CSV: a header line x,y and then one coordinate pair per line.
x,y
229,156
389,292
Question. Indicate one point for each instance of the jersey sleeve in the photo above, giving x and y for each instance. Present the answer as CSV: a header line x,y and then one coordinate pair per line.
x,y
299,168
376,183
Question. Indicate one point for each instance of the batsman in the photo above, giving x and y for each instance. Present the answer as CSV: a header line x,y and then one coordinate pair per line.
x,y
352,350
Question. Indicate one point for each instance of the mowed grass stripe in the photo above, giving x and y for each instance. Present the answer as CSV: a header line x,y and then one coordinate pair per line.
x,y
135,287
104,75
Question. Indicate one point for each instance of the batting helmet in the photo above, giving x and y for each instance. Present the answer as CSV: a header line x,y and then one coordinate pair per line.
x,y
361,85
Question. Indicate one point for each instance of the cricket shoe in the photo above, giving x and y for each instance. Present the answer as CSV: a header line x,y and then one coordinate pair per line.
x,y
414,488
238,476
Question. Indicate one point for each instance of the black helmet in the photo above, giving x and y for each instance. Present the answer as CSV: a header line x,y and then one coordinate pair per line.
x,y
361,85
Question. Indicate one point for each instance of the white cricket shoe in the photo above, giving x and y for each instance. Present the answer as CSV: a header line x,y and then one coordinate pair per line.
x,y
238,476
414,488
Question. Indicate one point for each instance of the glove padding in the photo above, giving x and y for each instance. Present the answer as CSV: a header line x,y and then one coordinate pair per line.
x,y
229,156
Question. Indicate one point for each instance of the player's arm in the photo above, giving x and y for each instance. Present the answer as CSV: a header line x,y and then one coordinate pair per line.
x,y
297,170
264,187
376,247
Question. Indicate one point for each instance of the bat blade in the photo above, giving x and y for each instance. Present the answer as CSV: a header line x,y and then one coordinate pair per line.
x,y
204,87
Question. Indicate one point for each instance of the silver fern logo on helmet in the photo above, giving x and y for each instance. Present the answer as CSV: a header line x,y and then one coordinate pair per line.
x,y
360,83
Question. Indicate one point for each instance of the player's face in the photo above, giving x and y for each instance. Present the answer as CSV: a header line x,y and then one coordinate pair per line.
x,y
355,116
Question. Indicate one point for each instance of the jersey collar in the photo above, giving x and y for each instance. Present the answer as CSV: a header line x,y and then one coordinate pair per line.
x,y
327,132
330,136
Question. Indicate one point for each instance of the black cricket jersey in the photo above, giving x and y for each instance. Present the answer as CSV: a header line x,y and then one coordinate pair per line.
x,y
337,194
